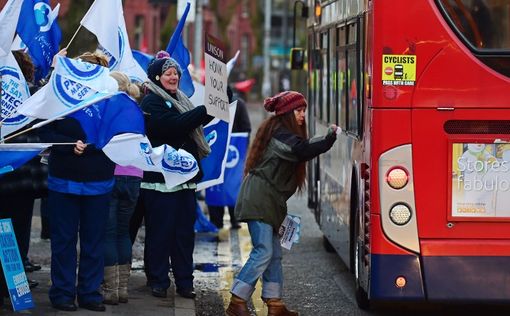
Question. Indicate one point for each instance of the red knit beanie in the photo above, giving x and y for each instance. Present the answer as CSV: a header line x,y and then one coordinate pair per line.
x,y
284,102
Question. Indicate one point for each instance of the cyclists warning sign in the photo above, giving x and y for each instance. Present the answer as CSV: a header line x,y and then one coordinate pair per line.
x,y
399,70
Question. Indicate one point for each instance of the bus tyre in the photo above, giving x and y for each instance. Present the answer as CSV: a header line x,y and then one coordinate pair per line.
x,y
362,297
360,293
327,245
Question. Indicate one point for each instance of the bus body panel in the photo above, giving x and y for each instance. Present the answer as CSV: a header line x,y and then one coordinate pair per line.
x,y
335,217
432,174
447,73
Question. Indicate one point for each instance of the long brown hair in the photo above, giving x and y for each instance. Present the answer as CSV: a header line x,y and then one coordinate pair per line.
x,y
25,64
264,135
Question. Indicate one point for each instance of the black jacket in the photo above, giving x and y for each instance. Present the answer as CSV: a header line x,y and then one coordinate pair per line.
x,y
31,179
92,165
165,125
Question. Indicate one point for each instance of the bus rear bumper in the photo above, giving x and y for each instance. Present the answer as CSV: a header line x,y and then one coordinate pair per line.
x,y
385,271
461,278
444,278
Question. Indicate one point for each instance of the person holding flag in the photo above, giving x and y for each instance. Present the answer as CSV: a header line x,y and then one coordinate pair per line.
x,y
170,213
80,182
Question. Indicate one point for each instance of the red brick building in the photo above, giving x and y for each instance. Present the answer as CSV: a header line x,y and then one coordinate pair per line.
x,y
227,19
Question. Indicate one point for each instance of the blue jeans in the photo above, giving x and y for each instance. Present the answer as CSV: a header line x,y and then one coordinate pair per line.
x,y
265,260
118,243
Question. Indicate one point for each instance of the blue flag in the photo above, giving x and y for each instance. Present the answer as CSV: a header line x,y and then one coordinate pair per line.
x,y
202,224
13,156
180,53
213,166
107,118
142,59
226,192
39,30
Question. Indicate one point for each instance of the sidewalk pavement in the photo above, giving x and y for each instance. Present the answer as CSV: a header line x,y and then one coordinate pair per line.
x,y
141,301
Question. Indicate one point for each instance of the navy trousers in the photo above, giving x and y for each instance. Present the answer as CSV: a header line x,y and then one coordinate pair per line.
x,y
169,224
72,215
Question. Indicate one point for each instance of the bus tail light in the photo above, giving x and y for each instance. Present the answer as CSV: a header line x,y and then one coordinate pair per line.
x,y
400,214
396,196
397,178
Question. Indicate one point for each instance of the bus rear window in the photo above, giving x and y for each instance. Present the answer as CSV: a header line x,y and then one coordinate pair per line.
x,y
484,24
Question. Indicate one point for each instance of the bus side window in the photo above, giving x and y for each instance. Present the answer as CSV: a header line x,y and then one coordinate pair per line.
x,y
352,81
333,77
342,75
324,80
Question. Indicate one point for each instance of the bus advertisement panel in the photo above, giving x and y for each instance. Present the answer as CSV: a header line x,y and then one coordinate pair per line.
x,y
480,180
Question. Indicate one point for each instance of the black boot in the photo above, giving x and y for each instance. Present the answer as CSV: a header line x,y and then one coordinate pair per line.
x,y
45,228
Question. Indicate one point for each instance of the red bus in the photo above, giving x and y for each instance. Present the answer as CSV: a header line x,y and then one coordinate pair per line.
x,y
415,194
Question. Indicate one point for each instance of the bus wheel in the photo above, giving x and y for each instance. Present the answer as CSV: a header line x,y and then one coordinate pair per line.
x,y
327,245
360,293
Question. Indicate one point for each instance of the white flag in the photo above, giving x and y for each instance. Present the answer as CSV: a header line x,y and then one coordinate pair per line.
x,y
231,63
8,22
14,92
72,82
177,166
86,74
102,22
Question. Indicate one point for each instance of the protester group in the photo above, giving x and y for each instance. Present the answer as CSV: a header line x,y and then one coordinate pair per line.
x,y
117,145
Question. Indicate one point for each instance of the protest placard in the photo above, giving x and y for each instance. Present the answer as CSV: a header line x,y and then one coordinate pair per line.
x,y
14,272
216,99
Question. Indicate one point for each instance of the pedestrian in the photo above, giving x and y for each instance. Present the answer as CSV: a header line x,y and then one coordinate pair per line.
x,y
80,181
20,188
274,170
170,213
241,124
117,252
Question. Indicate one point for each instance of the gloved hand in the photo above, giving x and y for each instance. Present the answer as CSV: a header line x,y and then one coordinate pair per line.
x,y
334,130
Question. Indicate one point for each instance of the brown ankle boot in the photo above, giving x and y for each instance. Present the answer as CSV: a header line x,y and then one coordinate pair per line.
x,y
111,285
124,272
237,307
276,307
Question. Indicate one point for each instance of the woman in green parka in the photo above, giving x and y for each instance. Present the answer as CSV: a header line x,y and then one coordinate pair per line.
x,y
275,169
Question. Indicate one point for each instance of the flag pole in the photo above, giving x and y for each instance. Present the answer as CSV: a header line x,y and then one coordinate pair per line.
x,y
17,134
72,38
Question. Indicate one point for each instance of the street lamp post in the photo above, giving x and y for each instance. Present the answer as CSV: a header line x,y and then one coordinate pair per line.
x,y
266,82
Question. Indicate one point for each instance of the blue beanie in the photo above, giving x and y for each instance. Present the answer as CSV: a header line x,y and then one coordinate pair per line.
x,y
159,66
